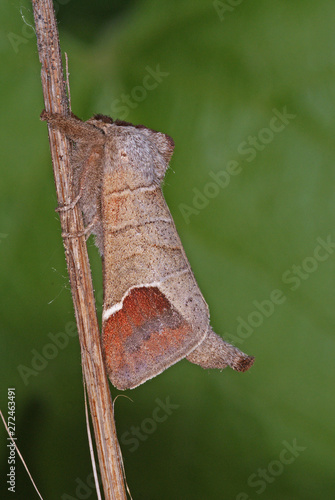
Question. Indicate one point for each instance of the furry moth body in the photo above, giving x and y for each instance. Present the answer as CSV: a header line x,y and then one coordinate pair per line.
x,y
154,313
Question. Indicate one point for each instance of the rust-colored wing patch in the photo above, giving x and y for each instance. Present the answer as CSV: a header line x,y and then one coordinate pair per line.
x,y
144,338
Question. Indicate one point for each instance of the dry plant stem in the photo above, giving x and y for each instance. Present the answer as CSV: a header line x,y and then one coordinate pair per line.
x,y
77,260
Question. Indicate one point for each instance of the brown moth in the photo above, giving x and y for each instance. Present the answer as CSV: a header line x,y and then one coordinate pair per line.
x,y
153,313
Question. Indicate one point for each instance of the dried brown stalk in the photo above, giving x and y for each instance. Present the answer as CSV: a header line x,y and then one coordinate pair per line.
x,y
77,259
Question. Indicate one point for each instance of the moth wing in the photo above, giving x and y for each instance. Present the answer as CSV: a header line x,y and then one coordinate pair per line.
x,y
154,313
144,338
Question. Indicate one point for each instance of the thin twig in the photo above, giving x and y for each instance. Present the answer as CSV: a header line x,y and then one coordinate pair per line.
x,y
56,101
90,442
18,452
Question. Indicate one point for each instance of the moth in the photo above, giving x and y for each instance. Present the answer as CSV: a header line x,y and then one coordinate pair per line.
x,y
153,312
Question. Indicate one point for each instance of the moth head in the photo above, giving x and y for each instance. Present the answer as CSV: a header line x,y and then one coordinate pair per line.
x,y
135,155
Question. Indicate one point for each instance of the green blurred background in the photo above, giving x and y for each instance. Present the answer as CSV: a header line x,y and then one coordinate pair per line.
x,y
229,68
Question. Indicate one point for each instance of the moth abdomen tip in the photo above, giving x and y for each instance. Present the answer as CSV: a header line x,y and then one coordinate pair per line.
x,y
242,363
